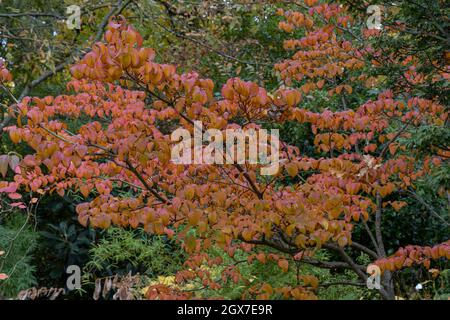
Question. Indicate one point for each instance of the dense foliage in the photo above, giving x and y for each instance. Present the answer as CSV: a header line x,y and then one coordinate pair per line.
x,y
363,178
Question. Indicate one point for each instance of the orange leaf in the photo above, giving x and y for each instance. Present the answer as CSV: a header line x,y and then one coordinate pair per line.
x,y
283,264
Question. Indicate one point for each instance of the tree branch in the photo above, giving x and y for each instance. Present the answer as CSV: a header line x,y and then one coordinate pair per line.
x,y
378,234
143,181
427,206
116,9
363,248
31,14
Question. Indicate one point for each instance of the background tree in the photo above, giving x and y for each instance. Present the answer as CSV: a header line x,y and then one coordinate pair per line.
x,y
337,192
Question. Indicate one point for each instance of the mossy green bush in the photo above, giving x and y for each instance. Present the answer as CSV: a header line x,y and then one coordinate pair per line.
x,y
122,251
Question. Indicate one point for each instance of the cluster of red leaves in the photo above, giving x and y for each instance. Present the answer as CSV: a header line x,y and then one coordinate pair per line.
x,y
119,159
162,292
108,62
322,56
10,189
414,255
369,122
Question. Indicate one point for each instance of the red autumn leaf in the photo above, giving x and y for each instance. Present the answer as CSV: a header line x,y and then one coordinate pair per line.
x,y
14,196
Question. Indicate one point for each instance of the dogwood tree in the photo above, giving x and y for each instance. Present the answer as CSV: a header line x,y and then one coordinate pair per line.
x,y
118,155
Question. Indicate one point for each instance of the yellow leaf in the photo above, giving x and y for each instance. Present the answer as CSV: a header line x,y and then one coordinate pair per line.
x,y
189,193
292,169
190,242
283,264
